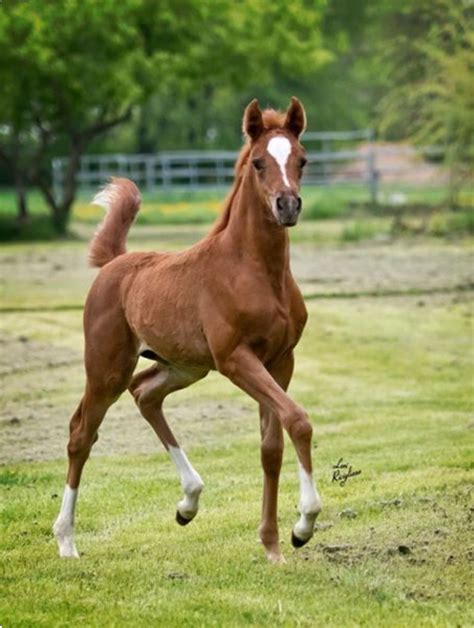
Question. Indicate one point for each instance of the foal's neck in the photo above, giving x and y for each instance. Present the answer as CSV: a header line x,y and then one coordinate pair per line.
x,y
253,233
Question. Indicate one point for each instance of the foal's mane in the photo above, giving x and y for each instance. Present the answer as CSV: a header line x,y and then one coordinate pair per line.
x,y
271,120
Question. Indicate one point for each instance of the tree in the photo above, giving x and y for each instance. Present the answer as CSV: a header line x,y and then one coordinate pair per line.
x,y
244,49
428,50
74,69
77,68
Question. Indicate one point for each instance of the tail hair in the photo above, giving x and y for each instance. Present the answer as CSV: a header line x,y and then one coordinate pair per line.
x,y
121,200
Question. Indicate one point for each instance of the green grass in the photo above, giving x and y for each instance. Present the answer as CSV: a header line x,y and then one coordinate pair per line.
x,y
202,207
388,386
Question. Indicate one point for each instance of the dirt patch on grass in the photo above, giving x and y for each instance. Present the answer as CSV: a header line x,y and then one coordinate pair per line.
x,y
426,542
41,352
57,276
21,354
382,269
38,403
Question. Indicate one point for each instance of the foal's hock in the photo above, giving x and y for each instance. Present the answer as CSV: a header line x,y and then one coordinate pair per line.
x,y
228,303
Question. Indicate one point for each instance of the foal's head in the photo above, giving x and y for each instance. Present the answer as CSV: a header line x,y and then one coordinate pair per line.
x,y
277,158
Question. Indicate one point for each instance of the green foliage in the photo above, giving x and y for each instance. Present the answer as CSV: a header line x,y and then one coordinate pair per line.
x,y
160,75
300,48
428,53
453,223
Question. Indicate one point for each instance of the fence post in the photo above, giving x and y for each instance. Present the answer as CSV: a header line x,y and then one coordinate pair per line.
x,y
149,172
326,148
193,179
373,175
220,177
166,173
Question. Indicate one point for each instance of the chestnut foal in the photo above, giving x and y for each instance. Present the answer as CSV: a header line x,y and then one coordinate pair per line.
x,y
228,303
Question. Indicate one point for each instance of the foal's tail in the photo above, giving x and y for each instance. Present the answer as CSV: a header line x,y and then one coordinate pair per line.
x,y
121,199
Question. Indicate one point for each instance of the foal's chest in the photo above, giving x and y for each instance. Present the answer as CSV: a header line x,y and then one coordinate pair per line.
x,y
273,325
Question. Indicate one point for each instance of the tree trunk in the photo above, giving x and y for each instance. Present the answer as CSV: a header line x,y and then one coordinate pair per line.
x,y
60,212
61,209
21,200
61,219
192,135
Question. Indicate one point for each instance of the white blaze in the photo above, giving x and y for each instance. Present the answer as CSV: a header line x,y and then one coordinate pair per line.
x,y
280,149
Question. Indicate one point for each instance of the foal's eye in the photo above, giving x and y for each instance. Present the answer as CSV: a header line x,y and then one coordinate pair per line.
x,y
258,164
303,162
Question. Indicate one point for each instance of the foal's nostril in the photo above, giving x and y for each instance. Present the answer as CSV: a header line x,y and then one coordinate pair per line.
x,y
288,203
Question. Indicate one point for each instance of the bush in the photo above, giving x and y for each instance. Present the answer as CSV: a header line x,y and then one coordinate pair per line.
x,y
357,231
38,227
453,223
462,222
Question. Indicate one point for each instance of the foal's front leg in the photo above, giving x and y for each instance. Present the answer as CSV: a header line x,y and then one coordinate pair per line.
x,y
245,370
272,454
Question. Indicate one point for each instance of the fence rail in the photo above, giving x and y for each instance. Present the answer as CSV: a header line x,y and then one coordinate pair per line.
x,y
210,169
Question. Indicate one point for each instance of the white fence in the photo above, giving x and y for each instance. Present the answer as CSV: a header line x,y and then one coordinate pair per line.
x,y
194,170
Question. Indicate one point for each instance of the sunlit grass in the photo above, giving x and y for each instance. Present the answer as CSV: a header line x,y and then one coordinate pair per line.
x,y
192,211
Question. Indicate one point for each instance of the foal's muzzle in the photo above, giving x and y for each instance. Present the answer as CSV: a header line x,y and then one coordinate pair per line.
x,y
288,206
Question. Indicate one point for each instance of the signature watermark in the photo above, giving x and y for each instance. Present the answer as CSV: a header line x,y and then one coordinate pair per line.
x,y
342,471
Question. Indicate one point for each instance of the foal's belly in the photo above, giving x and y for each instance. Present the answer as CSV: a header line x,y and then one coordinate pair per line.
x,y
169,324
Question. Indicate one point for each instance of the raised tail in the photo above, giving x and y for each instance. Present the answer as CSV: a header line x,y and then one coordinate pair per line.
x,y
121,200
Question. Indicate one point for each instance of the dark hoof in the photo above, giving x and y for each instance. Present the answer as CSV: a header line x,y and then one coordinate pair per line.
x,y
181,520
296,542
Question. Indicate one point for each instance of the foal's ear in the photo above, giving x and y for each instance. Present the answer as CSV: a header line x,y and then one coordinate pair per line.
x,y
295,120
252,124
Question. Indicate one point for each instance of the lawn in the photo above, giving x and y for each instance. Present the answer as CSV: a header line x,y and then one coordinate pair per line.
x,y
183,207
387,382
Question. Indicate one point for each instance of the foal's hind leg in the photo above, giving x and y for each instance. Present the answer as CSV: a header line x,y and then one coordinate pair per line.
x,y
149,388
102,390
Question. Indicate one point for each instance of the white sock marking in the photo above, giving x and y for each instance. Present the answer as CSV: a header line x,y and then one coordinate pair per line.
x,y
280,149
309,506
63,527
190,481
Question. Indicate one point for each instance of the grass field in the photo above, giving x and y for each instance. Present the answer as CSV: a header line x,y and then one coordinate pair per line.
x,y
201,207
387,381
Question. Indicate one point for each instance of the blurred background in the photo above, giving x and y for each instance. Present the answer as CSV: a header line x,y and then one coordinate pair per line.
x,y
155,91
